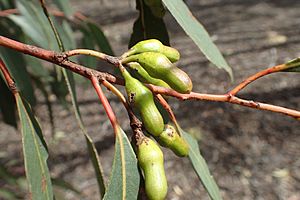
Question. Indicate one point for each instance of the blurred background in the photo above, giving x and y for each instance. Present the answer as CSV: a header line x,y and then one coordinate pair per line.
x,y
251,154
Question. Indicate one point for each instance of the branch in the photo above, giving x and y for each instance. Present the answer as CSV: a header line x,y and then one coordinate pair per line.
x,y
58,59
61,60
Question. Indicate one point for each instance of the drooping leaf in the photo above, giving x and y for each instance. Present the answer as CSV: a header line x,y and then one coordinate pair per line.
x,y
124,180
34,24
99,38
66,36
64,6
7,105
197,33
16,65
87,42
201,167
35,153
64,185
293,65
147,26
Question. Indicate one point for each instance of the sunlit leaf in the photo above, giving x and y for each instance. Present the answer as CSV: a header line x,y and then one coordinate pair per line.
x,y
201,167
147,26
124,180
35,153
197,33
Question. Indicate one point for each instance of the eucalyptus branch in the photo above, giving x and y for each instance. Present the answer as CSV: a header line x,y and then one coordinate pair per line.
x,y
61,60
58,59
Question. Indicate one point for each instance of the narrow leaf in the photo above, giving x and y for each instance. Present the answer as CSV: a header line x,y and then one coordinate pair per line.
x,y
197,33
64,185
124,180
100,38
35,153
201,167
16,65
147,26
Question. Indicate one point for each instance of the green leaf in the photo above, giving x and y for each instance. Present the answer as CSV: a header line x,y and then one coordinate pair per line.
x,y
201,167
99,38
7,105
147,26
64,185
124,180
34,24
35,153
293,65
88,42
64,6
197,33
16,65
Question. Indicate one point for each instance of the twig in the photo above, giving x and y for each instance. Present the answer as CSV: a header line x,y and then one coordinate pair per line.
x,y
9,80
104,101
167,107
256,76
110,59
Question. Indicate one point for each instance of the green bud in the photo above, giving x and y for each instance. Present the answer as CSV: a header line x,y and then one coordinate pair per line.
x,y
154,45
171,139
151,160
143,75
142,98
159,66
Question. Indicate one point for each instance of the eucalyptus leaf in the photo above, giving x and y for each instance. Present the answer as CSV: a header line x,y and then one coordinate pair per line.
x,y
197,33
201,167
125,178
16,65
148,26
99,38
35,153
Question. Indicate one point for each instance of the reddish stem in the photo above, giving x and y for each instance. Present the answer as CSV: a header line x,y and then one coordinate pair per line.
x,y
255,77
110,113
10,82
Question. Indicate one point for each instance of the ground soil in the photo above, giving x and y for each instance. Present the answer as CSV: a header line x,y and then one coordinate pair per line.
x,y
251,154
